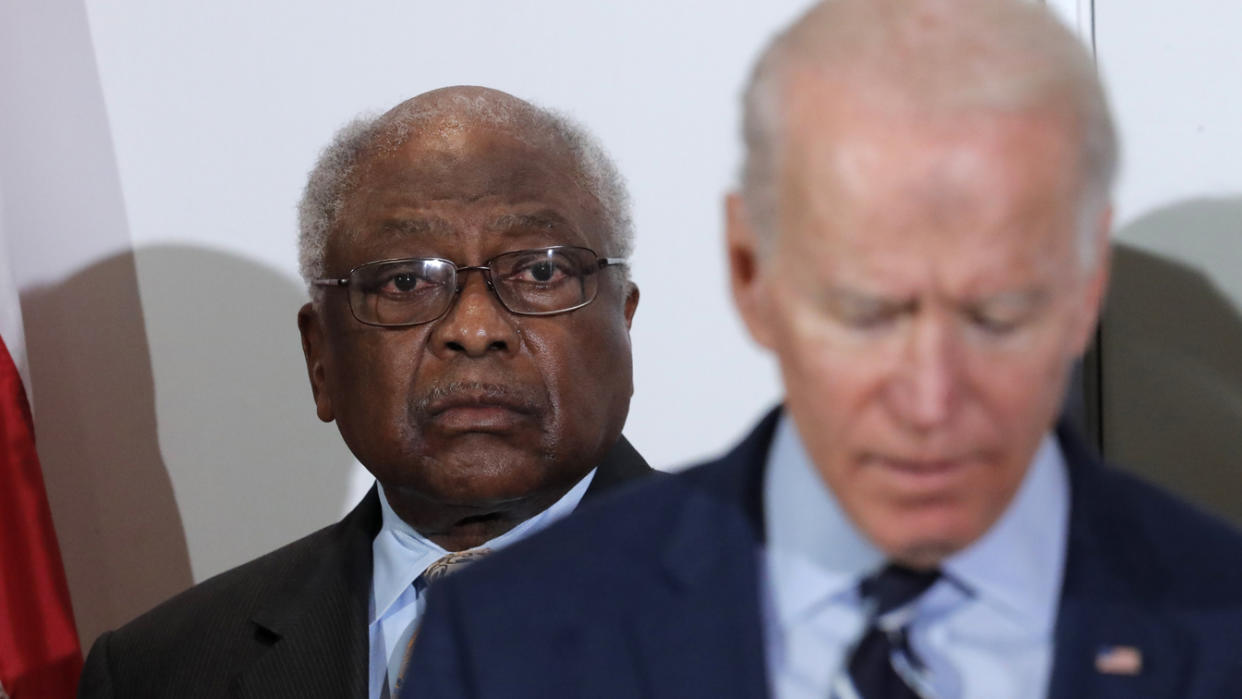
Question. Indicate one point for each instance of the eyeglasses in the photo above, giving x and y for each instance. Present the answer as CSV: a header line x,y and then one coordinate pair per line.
x,y
416,290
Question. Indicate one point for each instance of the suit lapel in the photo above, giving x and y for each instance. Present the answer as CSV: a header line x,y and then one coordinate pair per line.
x,y
619,466
1098,642
314,625
702,634
1109,619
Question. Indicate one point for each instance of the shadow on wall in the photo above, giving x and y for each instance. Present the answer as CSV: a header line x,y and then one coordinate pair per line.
x,y
252,466
181,436
117,520
91,384
175,426
1172,352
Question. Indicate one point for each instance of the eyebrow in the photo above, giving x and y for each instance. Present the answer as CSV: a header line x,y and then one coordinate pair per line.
x,y
1020,298
843,298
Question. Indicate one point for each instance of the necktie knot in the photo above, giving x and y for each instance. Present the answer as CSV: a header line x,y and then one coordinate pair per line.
x,y
896,586
451,563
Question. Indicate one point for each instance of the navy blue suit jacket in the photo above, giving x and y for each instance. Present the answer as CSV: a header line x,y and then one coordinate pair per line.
x,y
654,593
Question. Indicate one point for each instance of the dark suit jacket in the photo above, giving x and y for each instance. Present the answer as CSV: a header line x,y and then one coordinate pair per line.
x,y
289,624
655,593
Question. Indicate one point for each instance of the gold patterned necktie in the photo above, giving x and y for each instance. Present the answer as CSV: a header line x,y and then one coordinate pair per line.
x,y
445,565
449,563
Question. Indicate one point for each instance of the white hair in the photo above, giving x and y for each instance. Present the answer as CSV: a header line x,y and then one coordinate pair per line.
x,y
336,172
939,55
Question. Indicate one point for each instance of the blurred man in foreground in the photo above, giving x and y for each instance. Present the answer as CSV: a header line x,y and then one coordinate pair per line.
x,y
469,334
921,238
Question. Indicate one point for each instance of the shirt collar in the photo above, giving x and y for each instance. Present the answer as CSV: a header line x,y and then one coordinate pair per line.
x,y
1016,566
401,554
816,555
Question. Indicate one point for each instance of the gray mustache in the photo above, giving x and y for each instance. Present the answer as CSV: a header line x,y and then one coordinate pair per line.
x,y
522,398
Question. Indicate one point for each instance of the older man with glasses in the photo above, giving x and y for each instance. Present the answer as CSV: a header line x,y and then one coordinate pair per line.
x,y
469,334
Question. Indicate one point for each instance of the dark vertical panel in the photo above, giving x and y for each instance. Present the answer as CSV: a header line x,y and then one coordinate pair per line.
x,y
1089,375
1169,354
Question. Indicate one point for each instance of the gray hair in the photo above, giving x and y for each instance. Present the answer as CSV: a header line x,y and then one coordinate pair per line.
x,y
941,55
337,170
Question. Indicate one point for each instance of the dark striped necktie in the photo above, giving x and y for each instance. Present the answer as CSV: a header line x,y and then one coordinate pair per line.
x,y
882,665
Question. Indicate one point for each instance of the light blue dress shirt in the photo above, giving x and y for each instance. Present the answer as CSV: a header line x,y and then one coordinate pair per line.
x,y
985,629
400,555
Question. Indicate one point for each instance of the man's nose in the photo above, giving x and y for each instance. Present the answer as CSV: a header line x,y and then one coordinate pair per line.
x,y
928,382
476,324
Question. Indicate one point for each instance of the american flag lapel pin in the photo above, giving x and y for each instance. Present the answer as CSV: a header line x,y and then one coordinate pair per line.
x,y
1118,660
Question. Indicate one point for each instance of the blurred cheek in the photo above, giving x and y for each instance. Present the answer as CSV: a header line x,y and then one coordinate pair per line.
x,y
1030,373
1026,391
829,379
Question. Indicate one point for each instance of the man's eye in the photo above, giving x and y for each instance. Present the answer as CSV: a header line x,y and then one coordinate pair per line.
x,y
994,323
400,284
872,321
868,316
403,282
1005,314
541,272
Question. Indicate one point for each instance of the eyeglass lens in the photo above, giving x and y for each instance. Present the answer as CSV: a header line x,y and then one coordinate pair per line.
x,y
528,282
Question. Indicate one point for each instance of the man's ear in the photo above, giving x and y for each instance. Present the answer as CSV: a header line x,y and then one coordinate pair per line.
x,y
742,245
315,349
1096,283
631,303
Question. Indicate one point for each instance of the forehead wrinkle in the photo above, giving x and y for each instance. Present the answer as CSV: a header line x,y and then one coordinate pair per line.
x,y
429,226
1026,297
1019,299
941,216
864,267
509,225
546,219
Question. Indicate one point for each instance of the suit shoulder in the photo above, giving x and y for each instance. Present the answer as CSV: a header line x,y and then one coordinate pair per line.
x,y
221,604
1199,551
629,524
641,509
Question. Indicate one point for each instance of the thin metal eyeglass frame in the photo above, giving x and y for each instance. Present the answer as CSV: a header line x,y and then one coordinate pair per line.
x,y
485,268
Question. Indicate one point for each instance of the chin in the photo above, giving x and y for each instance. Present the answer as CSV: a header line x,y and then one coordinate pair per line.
x,y
925,541
484,486
462,483
925,554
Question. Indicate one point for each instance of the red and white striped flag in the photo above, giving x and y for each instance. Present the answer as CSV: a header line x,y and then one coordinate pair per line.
x,y
40,657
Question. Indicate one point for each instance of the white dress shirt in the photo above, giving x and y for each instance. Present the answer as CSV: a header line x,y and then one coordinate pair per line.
x,y
400,555
985,629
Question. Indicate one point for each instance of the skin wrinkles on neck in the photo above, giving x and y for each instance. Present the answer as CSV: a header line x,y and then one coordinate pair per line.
x,y
457,527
